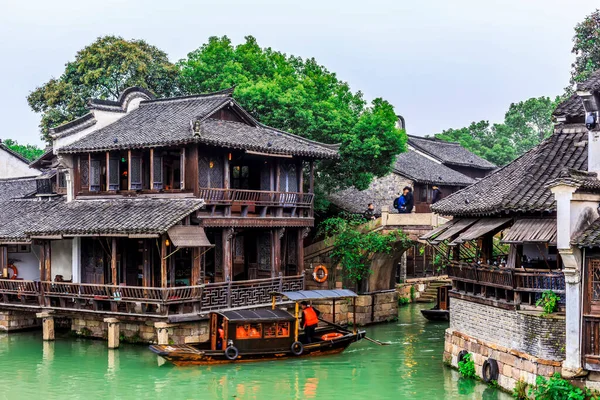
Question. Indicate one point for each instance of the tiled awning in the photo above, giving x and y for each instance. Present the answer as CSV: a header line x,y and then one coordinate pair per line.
x,y
437,231
531,230
480,228
188,236
457,227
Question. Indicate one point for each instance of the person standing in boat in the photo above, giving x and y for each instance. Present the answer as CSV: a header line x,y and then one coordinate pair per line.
x,y
221,337
310,320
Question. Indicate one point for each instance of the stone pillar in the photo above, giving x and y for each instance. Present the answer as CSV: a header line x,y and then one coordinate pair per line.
x,y
113,332
76,262
162,332
47,325
385,212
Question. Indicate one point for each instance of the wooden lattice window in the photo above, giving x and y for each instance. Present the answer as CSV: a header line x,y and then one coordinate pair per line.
x,y
95,172
84,172
595,279
288,178
136,172
264,251
113,174
210,172
158,172
62,180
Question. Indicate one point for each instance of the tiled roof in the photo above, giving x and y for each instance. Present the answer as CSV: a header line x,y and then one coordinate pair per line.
x,y
571,108
17,216
589,237
592,83
169,122
122,216
521,186
424,170
17,188
449,152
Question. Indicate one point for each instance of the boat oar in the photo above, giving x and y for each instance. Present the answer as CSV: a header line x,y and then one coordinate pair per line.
x,y
346,330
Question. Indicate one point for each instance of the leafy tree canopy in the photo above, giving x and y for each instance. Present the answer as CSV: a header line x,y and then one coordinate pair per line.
x,y
302,97
525,125
102,70
28,151
586,47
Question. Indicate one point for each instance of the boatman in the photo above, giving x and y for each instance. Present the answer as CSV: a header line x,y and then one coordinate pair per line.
x,y
221,338
310,320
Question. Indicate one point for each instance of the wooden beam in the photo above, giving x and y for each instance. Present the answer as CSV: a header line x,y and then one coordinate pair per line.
x,y
151,169
113,261
128,169
163,262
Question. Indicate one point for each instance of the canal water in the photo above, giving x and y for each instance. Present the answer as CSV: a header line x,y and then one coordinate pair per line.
x,y
410,368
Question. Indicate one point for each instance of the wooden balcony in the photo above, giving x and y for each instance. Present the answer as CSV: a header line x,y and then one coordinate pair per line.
x,y
256,197
510,286
133,301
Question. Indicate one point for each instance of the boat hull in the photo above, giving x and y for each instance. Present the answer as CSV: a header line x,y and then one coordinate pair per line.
x,y
436,315
182,355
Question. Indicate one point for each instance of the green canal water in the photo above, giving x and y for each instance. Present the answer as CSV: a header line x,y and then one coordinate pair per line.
x,y
410,368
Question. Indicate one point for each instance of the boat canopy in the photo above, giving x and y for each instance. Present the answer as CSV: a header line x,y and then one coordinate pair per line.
x,y
317,294
260,314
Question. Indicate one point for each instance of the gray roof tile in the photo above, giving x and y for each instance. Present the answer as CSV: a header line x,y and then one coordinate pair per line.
x,y
423,170
449,153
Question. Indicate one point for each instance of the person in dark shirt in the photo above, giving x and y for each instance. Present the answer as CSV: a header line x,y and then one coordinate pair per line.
x,y
369,213
436,195
409,201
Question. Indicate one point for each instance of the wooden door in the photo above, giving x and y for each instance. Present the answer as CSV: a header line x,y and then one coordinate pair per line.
x,y
92,262
443,298
591,317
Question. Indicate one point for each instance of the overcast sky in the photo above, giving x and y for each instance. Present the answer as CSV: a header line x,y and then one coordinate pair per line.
x,y
441,63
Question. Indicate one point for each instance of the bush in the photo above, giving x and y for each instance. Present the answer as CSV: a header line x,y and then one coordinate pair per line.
x,y
549,302
556,388
413,293
402,301
466,367
520,390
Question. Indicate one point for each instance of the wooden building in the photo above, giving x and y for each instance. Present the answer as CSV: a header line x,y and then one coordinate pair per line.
x,y
163,193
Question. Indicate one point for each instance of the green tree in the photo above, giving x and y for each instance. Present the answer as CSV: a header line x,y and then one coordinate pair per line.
x,y
525,125
102,70
302,97
30,152
586,47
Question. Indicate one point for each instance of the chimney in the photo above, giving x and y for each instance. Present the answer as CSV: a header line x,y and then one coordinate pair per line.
x,y
591,104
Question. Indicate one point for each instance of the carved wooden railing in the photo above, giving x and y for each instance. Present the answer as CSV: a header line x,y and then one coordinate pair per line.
x,y
256,197
528,282
591,339
135,300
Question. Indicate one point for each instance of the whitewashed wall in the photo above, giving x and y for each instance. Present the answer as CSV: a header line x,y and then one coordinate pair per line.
x,y
13,167
29,264
62,258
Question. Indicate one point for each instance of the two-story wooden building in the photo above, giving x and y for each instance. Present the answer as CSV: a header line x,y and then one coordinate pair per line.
x,y
164,193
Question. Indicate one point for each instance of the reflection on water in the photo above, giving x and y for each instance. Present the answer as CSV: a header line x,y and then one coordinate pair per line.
x,y
410,368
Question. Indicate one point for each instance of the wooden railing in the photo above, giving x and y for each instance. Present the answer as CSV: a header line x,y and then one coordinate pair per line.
x,y
148,301
256,197
528,282
591,339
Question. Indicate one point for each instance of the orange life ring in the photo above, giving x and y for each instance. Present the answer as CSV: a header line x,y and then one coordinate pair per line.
x,y
320,273
331,336
15,271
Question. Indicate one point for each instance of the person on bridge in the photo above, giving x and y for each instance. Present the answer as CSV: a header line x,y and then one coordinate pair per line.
x,y
310,320
436,194
369,213
409,201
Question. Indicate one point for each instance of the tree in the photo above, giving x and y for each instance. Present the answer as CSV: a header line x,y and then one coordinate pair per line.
x,y
30,152
586,47
525,125
301,97
102,70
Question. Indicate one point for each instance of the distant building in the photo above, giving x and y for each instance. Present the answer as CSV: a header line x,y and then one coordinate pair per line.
x,y
426,163
14,165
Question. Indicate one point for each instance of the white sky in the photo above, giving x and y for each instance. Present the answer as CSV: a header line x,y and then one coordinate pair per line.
x,y
441,63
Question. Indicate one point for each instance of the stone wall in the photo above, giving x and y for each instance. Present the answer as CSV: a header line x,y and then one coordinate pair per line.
x,y
513,366
11,321
326,308
141,332
524,331
385,308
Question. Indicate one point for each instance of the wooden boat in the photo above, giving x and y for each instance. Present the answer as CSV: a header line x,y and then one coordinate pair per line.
x,y
441,311
263,334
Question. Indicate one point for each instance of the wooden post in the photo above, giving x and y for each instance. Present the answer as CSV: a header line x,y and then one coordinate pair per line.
x,y
163,262
297,328
196,266
227,254
354,314
277,176
128,169
276,245
182,169
113,263
191,170
226,183
47,325
48,261
107,170
311,182
300,251
113,332
4,261
300,172
333,310
151,169
42,261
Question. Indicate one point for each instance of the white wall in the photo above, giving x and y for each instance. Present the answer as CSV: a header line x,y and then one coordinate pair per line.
x,y
13,167
29,264
62,258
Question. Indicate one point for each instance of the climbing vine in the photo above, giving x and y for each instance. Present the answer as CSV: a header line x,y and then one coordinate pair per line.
x,y
354,246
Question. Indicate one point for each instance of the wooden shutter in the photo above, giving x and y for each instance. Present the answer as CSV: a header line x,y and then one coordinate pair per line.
x,y
95,170
135,170
113,173
158,172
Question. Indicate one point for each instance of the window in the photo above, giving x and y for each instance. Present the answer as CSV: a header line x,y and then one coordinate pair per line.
x,y
240,175
277,330
248,331
595,279
423,191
